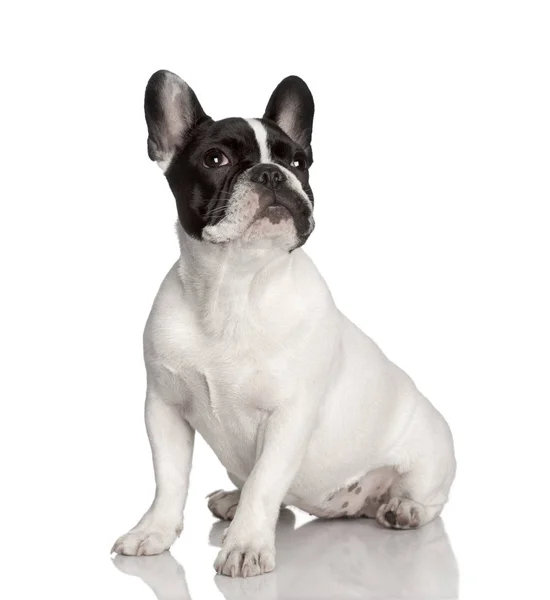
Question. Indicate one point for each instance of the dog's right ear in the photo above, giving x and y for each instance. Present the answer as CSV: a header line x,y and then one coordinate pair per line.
x,y
171,111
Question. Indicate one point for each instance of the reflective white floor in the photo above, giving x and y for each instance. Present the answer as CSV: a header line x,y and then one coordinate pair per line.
x,y
324,559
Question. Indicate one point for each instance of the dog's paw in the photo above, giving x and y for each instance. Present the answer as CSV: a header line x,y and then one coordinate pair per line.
x,y
146,541
247,560
224,504
399,513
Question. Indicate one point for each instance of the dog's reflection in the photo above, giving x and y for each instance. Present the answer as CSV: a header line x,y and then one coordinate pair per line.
x,y
326,559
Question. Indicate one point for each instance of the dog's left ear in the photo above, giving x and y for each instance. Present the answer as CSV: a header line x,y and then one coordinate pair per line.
x,y
291,107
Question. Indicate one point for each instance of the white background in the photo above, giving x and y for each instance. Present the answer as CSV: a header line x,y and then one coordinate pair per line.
x,y
432,186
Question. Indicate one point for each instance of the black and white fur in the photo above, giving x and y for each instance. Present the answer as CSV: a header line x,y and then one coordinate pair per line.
x,y
245,345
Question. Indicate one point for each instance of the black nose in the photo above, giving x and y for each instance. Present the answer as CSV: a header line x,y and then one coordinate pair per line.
x,y
268,175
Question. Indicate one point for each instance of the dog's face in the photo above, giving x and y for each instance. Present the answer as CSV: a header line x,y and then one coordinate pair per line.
x,y
235,179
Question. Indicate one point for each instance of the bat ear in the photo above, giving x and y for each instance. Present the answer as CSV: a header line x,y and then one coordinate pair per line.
x,y
171,111
291,107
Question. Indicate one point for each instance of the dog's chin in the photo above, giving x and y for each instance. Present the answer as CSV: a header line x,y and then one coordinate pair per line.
x,y
274,226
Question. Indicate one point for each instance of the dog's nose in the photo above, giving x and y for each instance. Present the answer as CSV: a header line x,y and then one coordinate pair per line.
x,y
268,175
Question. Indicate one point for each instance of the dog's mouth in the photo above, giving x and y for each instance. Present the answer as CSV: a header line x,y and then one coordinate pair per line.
x,y
279,205
276,213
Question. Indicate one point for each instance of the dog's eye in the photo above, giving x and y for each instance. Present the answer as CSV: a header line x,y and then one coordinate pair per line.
x,y
215,158
299,162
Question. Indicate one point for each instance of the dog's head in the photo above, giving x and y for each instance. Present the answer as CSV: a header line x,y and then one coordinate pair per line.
x,y
235,179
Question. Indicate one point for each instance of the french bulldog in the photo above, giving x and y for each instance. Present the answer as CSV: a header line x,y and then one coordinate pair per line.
x,y
245,345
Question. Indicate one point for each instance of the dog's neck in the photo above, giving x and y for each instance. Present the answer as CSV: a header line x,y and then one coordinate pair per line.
x,y
225,280
209,260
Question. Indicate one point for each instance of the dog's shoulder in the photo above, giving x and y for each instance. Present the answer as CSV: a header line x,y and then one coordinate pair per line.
x,y
170,322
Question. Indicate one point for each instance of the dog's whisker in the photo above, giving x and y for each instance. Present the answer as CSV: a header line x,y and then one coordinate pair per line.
x,y
215,211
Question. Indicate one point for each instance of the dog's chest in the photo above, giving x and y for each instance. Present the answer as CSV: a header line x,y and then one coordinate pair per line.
x,y
228,399
227,386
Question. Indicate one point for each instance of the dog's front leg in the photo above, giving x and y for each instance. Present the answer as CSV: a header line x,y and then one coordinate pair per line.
x,y
172,440
249,545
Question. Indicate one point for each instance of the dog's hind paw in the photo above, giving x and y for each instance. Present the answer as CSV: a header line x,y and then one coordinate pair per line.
x,y
399,513
224,504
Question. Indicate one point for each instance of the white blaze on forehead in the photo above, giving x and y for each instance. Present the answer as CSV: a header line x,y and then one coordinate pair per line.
x,y
261,138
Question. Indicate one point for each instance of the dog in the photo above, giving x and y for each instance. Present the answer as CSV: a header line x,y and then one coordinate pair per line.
x,y
245,345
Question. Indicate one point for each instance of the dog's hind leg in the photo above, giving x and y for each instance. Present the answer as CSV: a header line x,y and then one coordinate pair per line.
x,y
419,493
